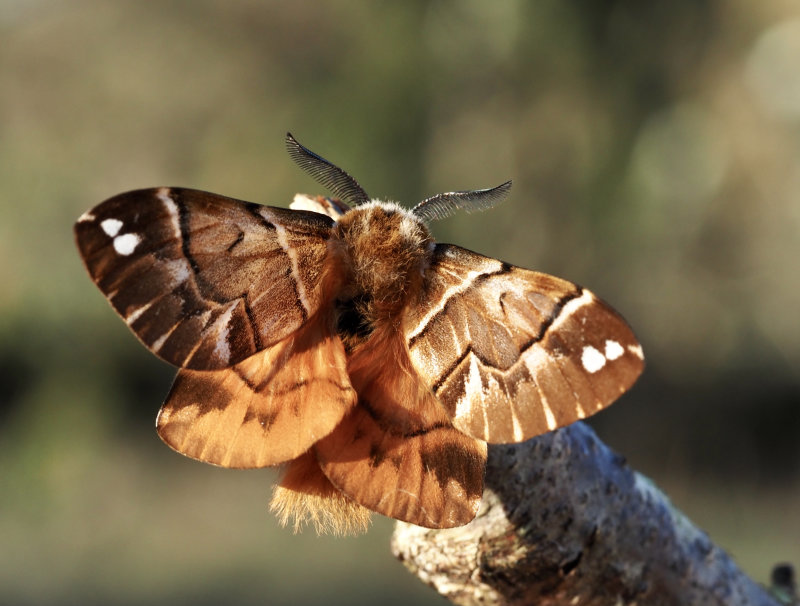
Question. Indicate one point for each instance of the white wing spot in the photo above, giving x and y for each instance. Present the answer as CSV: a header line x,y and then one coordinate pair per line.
x,y
87,216
613,350
636,350
126,243
592,359
111,226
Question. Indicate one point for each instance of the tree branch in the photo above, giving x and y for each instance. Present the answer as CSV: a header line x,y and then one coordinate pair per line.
x,y
565,521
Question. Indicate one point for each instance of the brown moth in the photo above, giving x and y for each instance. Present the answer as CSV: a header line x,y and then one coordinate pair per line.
x,y
341,341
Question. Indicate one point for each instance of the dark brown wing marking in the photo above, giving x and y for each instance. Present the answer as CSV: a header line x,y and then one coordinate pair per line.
x,y
203,280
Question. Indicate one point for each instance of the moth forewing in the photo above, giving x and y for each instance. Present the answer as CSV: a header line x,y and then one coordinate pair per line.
x,y
511,353
203,280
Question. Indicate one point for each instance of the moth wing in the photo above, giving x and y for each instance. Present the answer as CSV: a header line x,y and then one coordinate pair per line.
x,y
331,207
513,353
265,410
204,281
397,453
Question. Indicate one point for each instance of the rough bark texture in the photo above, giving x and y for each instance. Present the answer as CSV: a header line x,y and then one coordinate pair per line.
x,y
565,521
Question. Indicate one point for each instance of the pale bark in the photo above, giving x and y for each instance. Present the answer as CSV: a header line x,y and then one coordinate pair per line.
x,y
565,521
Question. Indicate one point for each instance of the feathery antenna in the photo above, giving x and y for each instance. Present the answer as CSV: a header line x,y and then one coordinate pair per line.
x,y
337,181
442,206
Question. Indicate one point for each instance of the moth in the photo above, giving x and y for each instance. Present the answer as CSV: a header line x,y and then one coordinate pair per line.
x,y
337,339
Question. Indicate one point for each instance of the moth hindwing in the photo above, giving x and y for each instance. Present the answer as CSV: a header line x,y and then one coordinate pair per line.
x,y
348,346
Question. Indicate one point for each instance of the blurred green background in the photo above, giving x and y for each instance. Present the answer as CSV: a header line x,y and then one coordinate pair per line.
x,y
655,153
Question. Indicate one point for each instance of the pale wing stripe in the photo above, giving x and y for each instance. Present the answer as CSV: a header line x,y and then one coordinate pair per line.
x,y
451,292
266,292
164,194
223,348
137,313
548,411
580,411
535,360
573,305
516,426
537,356
636,350
291,252
178,271
486,425
559,312
159,343
200,341
474,385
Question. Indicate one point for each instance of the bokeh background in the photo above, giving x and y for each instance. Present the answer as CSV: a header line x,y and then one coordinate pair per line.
x,y
655,153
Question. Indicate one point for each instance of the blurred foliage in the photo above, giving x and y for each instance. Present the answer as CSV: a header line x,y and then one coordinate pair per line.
x,y
654,151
